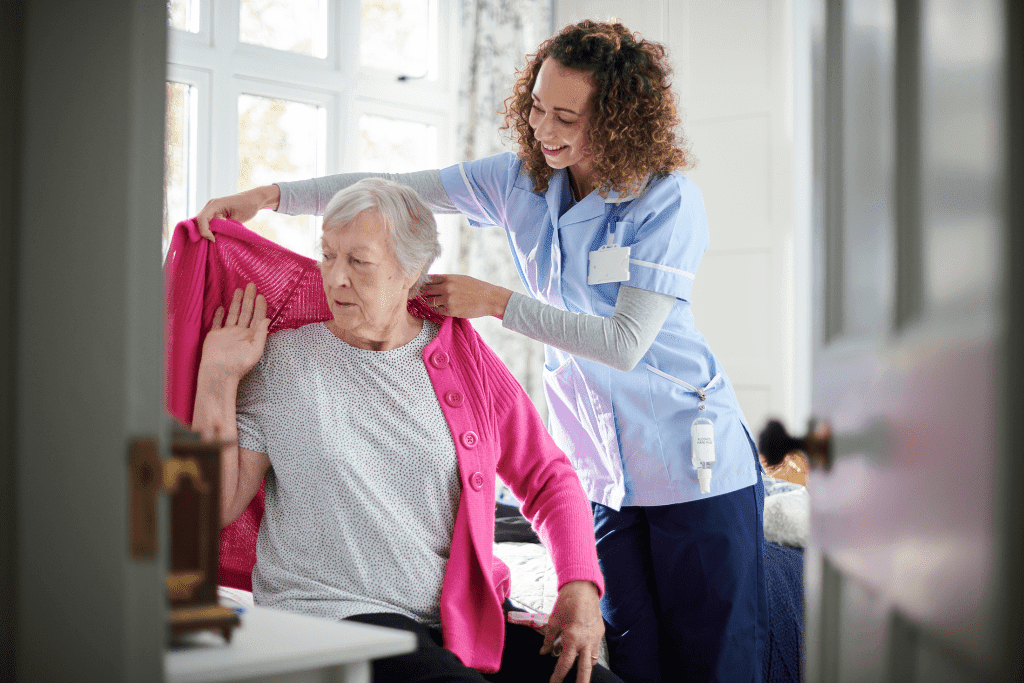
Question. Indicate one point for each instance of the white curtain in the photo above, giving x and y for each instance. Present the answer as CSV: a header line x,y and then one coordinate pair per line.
x,y
497,36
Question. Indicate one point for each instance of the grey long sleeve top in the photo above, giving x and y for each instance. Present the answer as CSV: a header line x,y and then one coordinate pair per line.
x,y
618,342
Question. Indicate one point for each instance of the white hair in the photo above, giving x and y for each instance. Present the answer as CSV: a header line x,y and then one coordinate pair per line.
x,y
410,226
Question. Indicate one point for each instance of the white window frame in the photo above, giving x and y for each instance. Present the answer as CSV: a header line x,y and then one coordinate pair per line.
x,y
200,79
221,67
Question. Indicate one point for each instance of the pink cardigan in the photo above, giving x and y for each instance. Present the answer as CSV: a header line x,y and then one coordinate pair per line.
x,y
494,425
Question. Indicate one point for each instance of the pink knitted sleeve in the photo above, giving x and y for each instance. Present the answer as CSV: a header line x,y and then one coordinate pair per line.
x,y
540,474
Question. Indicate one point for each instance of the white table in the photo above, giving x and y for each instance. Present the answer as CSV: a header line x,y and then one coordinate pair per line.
x,y
272,646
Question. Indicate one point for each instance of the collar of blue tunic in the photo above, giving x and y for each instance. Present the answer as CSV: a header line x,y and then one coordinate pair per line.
x,y
564,212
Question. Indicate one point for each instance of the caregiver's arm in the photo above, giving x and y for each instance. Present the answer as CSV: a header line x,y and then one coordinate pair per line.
x,y
229,352
310,197
618,342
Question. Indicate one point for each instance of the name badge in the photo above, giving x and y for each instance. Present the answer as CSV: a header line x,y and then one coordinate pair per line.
x,y
608,264
702,440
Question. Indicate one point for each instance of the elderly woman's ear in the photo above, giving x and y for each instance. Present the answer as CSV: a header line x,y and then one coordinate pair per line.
x,y
417,286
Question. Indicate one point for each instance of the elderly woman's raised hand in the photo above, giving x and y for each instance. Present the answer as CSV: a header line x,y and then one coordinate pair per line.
x,y
240,207
576,617
236,340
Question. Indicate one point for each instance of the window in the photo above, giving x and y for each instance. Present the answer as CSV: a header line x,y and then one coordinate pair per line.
x,y
260,91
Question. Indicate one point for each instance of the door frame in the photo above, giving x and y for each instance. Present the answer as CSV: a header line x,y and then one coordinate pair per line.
x,y
84,345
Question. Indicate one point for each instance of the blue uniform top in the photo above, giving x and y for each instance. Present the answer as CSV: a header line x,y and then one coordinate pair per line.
x,y
626,433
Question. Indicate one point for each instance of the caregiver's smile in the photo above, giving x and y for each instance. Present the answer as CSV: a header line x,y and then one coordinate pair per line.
x,y
560,118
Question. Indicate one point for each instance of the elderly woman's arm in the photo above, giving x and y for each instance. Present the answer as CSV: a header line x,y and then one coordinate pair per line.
x,y
231,349
540,474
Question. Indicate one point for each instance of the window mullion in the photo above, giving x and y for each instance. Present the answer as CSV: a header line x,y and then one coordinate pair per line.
x,y
224,121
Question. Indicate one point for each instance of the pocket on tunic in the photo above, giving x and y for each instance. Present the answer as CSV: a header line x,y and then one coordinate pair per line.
x,y
571,420
561,397
676,404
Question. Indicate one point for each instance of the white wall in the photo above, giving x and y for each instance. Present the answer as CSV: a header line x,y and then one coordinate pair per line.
x,y
734,77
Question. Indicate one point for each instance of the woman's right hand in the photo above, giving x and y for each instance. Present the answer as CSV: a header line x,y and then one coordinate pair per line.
x,y
235,343
240,207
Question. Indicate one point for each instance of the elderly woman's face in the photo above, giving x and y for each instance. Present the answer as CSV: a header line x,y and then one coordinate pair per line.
x,y
366,288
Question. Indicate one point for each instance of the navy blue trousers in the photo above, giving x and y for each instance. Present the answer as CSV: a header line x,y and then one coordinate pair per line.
x,y
685,594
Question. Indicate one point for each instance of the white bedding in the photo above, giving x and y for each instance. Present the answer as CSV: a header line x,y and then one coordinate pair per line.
x,y
787,513
534,582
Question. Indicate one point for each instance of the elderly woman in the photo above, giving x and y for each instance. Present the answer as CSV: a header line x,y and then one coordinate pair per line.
x,y
379,433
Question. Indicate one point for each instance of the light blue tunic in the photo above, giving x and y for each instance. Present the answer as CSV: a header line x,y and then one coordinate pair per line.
x,y
627,433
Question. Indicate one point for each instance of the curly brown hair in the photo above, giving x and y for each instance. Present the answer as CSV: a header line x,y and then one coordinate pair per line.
x,y
633,119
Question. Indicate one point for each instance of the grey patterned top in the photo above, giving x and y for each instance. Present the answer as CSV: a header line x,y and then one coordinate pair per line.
x,y
363,488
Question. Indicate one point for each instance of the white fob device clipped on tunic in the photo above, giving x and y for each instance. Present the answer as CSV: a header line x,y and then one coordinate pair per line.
x,y
702,440
609,263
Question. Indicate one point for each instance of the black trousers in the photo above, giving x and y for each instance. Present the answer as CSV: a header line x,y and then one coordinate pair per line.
x,y
431,662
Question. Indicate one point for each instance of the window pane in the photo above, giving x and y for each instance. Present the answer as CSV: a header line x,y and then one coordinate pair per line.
x,y
179,157
291,25
280,140
183,15
396,146
399,36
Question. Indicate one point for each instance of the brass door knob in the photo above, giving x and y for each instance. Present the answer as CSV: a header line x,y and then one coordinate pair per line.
x,y
775,443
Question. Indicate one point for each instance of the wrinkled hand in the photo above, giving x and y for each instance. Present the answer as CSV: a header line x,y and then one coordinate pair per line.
x,y
235,343
462,296
240,207
577,618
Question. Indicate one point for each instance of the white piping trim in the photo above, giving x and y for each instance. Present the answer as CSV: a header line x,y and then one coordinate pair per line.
x,y
469,187
658,266
699,392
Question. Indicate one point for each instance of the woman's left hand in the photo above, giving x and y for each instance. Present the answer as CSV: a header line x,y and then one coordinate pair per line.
x,y
576,617
462,296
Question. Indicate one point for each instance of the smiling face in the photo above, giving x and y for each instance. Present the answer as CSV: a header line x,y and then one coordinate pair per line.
x,y
365,286
560,118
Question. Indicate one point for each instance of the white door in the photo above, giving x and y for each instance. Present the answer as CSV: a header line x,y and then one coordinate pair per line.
x,y
916,531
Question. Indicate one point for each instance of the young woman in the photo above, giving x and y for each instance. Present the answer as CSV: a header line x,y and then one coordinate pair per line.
x,y
607,236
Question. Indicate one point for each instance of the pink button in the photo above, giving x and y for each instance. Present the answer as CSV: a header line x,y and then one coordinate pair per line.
x,y
476,480
439,360
454,398
470,439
